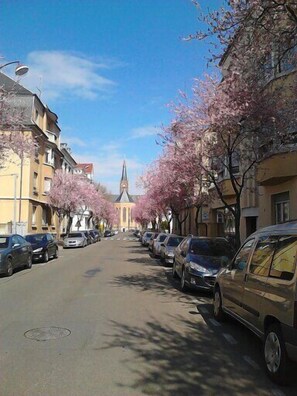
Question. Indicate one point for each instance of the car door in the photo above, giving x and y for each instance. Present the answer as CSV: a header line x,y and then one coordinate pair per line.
x,y
180,255
50,244
16,252
255,278
24,248
232,279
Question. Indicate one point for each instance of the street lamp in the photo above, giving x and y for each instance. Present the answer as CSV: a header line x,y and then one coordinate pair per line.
x,y
20,69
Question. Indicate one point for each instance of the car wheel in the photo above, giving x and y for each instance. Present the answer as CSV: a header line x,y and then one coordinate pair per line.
x,y
9,267
45,256
56,255
29,262
183,285
218,312
277,364
174,274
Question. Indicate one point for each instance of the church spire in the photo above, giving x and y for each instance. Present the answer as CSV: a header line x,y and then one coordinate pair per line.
x,y
124,179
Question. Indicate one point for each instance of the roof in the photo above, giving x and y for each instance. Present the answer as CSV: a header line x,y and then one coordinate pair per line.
x,y
87,168
124,197
124,172
10,85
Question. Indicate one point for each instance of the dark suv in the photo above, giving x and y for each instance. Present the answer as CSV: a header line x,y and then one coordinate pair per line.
x,y
44,246
198,260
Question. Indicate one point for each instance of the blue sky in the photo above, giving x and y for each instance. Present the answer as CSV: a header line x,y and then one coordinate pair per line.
x,y
108,69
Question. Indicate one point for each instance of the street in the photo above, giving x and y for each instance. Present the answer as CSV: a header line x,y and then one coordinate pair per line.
x,y
113,322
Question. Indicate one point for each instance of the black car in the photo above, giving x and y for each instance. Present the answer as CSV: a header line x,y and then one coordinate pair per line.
x,y
197,261
108,233
44,246
15,252
89,237
95,235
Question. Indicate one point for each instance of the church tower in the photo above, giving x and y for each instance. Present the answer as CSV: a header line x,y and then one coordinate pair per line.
x,y
124,180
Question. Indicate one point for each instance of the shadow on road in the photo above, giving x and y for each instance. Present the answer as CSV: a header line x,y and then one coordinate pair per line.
x,y
185,359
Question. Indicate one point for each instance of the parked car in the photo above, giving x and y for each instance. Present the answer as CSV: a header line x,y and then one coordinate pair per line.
x,y
107,233
145,238
156,248
259,289
95,235
89,237
44,246
167,248
75,239
197,261
15,252
152,240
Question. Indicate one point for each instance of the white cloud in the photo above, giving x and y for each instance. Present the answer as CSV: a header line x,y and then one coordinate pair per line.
x,y
60,74
141,132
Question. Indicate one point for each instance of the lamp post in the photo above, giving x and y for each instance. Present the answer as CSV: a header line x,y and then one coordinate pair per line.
x,y
20,69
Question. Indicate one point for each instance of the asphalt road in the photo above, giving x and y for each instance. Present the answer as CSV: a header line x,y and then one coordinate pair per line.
x,y
110,320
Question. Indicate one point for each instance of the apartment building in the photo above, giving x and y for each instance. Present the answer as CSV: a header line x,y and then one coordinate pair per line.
x,y
270,188
25,182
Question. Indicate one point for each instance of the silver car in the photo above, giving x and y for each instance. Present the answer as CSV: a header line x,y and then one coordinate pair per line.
x,y
167,248
75,239
156,247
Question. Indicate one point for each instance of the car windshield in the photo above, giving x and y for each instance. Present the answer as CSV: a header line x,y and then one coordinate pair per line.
x,y
148,234
4,241
35,238
162,238
208,247
174,241
75,235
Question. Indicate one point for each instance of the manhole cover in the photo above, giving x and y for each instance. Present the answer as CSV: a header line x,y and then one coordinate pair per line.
x,y
47,333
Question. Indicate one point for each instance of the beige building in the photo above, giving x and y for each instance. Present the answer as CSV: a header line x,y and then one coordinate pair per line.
x,y
124,204
25,182
269,196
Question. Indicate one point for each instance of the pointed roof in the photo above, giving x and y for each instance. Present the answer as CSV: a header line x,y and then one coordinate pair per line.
x,y
124,172
124,197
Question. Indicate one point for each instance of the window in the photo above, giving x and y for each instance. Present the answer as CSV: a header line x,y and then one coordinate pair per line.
x,y
35,179
47,184
44,217
281,203
124,214
242,256
262,256
34,208
284,260
36,115
282,212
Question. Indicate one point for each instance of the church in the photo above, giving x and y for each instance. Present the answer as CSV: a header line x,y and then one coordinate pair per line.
x,y
124,204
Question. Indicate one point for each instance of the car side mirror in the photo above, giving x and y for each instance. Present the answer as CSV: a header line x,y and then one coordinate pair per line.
x,y
15,245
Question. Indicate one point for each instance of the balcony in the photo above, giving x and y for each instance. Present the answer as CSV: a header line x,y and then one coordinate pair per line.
x,y
277,169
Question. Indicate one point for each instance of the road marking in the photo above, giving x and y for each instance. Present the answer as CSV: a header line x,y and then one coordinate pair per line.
x,y
215,323
251,362
229,338
205,311
118,239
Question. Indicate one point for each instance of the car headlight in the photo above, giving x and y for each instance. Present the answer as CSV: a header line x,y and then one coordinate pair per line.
x,y
199,268
37,250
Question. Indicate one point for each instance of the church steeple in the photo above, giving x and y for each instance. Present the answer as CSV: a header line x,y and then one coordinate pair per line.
x,y
124,179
